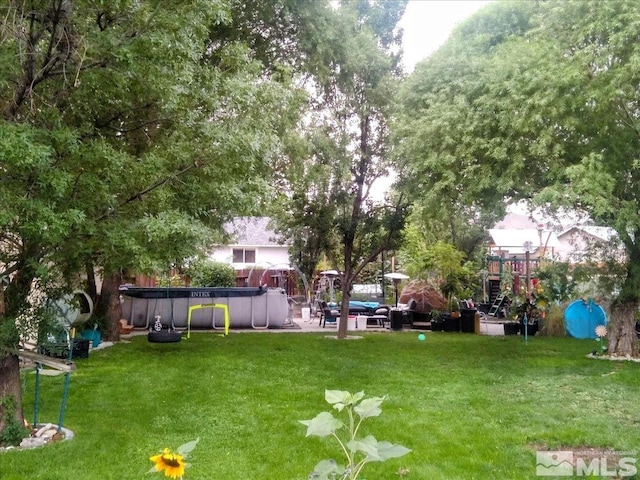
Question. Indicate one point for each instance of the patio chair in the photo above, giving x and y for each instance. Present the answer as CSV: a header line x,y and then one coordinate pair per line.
x,y
328,315
408,311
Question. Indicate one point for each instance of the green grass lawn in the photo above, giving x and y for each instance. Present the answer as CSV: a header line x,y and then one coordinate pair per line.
x,y
470,407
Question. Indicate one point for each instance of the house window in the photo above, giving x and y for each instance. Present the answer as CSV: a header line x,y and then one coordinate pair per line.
x,y
240,255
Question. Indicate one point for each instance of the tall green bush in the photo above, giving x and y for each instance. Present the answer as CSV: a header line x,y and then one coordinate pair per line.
x,y
209,273
440,262
556,282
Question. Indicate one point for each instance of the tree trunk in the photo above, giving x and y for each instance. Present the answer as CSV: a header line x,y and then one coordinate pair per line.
x,y
15,302
10,386
109,308
622,333
621,328
345,288
92,288
344,310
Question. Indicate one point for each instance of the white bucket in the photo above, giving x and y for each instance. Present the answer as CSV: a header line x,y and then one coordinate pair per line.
x,y
351,323
361,322
306,314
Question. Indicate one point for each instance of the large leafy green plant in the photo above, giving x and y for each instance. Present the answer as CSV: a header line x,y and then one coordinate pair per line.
x,y
208,273
357,451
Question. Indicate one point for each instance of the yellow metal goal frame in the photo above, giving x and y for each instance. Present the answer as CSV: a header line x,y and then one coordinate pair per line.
x,y
224,307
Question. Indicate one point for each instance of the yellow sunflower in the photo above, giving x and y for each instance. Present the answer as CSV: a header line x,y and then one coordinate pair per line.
x,y
172,463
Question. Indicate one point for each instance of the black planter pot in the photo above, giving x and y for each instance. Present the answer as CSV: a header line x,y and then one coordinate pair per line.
x,y
396,320
532,329
467,320
437,325
450,324
511,328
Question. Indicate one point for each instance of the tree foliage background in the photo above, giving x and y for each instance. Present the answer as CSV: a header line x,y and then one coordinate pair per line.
x,y
536,101
328,201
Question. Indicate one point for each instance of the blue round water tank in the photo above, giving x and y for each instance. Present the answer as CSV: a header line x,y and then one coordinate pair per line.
x,y
582,317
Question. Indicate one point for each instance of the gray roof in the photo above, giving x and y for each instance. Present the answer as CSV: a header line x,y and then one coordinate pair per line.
x,y
252,231
602,233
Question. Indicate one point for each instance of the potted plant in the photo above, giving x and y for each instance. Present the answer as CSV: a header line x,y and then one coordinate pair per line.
x,y
525,314
437,322
511,328
512,325
528,316
451,319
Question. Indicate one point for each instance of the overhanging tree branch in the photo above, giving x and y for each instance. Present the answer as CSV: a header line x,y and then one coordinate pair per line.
x,y
146,191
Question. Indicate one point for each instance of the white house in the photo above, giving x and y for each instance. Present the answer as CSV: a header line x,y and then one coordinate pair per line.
x,y
253,246
583,242
515,232
573,244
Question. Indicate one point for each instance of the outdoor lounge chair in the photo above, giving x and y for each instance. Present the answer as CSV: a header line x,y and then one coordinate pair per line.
x,y
328,315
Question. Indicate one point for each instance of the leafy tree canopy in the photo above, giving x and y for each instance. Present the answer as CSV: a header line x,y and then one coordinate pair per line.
x,y
330,209
536,101
208,273
129,132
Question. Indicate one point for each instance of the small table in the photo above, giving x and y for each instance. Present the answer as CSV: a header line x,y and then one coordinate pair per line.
x,y
378,319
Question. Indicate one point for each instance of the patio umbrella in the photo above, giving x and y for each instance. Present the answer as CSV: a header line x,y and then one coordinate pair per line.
x,y
330,273
396,277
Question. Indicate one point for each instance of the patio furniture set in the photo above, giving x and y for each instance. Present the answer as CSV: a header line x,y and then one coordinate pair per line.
x,y
367,314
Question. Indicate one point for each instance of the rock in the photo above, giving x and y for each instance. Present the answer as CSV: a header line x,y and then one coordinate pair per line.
x,y
33,442
43,435
45,430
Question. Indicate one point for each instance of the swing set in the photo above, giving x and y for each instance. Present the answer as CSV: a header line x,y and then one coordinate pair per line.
x,y
72,311
29,351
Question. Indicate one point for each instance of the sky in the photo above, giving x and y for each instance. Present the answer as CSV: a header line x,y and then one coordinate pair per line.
x,y
428,23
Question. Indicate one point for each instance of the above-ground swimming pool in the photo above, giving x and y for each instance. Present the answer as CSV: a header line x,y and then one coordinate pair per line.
x,y
248,307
